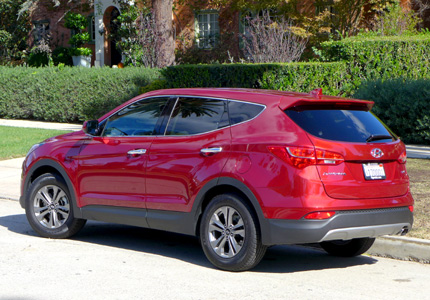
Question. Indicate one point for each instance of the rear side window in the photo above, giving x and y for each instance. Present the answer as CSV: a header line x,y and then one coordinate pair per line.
x,y
241,111
341,125
197,115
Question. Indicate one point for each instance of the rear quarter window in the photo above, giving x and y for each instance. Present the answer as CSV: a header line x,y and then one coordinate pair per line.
x,y
341,125
242,111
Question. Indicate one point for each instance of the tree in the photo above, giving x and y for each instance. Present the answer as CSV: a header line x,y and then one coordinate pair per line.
x,y
164,26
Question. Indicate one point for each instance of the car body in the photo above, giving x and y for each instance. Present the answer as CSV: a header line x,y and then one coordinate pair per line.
x,y
242,169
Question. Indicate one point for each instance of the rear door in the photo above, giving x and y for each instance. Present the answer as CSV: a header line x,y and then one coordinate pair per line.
x,y
372,167
194,150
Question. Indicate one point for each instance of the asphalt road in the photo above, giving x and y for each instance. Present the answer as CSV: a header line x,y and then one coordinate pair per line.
x,y
415,151
108,261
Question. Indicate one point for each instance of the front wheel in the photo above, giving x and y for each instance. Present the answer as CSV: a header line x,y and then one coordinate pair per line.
x,y
349,248
229,234
49,208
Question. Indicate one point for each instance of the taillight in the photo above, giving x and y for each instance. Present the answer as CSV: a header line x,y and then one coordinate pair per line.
x,y
320,215
402,158
328,158
411,208
301,157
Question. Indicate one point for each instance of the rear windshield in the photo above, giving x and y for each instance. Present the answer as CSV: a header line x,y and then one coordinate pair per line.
x,y
341,125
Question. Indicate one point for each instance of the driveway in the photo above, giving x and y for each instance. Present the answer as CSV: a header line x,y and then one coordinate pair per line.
x,y
108,261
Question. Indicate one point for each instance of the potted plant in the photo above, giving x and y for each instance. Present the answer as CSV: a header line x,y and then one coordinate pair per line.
x,y
81,55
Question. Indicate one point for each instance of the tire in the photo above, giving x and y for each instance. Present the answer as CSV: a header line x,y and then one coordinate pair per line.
x,y
349,248
49,208
229,234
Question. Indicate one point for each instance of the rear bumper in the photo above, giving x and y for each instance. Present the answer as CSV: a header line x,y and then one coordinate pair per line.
x,y
345,225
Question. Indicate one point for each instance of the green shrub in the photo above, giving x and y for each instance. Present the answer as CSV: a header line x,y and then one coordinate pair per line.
x,y
80,52
383,57
61,55
333,78
38,59
402,104
303,77
67,94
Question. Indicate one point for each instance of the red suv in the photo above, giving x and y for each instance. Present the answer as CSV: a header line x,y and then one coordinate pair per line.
x,y
242,169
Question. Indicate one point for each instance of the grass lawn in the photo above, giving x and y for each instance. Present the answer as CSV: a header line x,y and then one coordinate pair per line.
x,y
16,141
419,176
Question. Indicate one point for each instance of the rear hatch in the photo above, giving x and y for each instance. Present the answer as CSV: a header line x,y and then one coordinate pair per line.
x,y
364,158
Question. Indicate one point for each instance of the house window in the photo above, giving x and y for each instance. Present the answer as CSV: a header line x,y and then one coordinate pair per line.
x,y
40,30
92,28
207,29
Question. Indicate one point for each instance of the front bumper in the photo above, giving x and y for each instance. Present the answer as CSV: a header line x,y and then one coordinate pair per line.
x,y
345,225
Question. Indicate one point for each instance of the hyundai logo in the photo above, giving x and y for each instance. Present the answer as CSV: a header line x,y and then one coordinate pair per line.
x,y
376,153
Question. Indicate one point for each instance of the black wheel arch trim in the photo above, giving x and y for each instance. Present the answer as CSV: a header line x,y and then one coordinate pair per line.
x,y
197,210
56,166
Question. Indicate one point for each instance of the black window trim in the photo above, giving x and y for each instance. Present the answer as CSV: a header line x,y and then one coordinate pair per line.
x,y
177,97
158,124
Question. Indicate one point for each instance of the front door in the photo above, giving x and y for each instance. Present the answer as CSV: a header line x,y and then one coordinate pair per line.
x,y
112,166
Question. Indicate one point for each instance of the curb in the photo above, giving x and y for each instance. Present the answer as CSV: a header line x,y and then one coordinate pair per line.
x,y
403,248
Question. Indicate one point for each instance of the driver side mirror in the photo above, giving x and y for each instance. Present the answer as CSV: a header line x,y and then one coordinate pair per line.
x,y
91,127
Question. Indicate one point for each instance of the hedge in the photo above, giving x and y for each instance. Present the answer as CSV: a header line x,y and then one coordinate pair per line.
x,y
300,77
402,104
375,58
67,94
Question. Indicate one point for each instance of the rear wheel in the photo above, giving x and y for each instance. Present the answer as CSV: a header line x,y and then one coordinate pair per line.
x,y
229,234
349,248
49,208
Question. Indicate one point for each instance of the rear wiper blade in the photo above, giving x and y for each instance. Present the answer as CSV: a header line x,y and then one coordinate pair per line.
x,y
378,137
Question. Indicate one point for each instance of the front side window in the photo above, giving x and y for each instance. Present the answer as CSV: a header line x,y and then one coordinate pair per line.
x,y
197,115
137,119
207,29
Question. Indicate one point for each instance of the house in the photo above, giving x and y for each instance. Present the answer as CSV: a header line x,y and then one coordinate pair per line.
x,y
194,22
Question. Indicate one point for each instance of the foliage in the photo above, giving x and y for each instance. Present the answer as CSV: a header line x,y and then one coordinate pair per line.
x,y
137,36
272,40
14,31
190,53
402,104
80,51
381,57
77,23
66,94
40,55
392,19
61,55
300,77
78,39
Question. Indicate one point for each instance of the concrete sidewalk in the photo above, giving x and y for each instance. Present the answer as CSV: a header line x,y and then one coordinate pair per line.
x,y
389,246
41,125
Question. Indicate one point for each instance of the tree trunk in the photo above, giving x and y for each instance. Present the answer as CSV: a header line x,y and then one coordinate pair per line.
x,y
163,19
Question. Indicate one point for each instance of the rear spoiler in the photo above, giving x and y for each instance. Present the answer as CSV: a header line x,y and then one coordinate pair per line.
x,y
316,100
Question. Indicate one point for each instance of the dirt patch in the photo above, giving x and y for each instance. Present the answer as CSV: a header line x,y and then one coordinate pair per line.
x,y
419,176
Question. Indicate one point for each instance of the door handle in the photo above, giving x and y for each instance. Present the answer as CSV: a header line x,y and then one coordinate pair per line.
x,y
209,151
136,152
